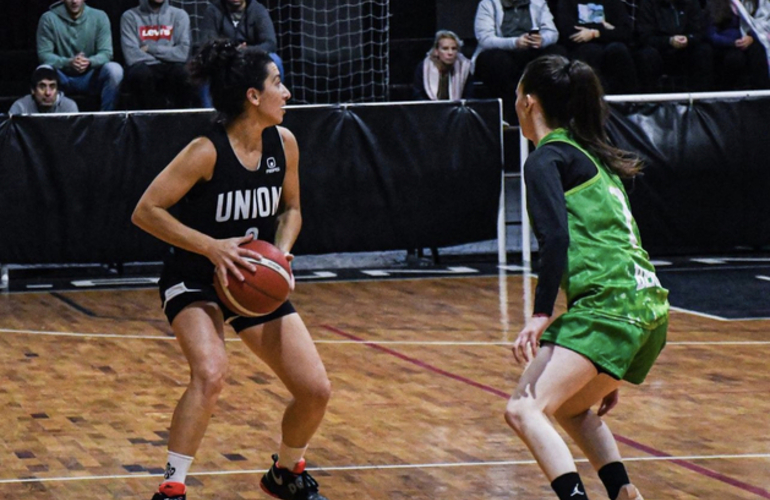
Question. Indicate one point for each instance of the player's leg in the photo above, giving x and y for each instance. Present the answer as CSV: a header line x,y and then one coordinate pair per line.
x,y
200,331
589,431
285,345
199,328
555,375
594,437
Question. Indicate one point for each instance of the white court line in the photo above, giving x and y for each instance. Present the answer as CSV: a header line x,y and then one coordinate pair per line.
x,y
439,465
85,335
369,341
717,318
508,344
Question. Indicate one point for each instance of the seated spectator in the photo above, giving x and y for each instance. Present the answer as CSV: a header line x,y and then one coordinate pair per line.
x,y
599,33
245,22
740,60
444,73
45,96
77,41
759,10
756,15
672,36
155,38
511,33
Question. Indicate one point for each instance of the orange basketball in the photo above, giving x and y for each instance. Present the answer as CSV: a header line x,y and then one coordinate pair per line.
x,y
263,290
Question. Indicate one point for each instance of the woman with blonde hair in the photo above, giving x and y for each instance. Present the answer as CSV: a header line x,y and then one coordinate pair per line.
x,y
445,73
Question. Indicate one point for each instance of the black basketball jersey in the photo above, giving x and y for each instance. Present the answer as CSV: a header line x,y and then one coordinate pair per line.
x,y
235,202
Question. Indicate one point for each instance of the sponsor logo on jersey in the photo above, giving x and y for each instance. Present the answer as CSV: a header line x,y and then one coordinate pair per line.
x,y
155,33
272,166
645,278
248,204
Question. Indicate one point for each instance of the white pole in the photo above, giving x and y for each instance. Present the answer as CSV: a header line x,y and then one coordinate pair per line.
x,y
526,250
687,96
502,231
526,246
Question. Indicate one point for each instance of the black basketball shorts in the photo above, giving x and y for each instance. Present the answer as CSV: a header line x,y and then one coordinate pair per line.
x,y
178,292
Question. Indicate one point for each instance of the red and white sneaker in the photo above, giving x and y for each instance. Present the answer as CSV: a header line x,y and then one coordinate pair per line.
x,y
171,491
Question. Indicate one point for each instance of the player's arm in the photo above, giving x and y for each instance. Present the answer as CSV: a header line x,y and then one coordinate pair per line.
x,y
290,218
195,163
548,212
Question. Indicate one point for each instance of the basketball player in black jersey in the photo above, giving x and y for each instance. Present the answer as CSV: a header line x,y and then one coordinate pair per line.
x,y
240,181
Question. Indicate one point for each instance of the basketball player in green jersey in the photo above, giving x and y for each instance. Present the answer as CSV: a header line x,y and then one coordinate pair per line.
x,y
617,312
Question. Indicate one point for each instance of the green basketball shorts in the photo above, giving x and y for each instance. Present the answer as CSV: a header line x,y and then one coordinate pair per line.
x,y
624,350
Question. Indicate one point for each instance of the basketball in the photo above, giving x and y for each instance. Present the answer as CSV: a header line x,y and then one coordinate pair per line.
x,y
263,290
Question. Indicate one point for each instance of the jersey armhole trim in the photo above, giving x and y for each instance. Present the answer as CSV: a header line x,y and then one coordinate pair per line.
x,y
586,184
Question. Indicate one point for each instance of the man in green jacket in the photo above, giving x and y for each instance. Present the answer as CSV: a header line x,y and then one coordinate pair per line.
x,y
77,41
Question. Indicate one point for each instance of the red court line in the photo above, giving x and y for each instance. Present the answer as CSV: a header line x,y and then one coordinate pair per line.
x,y
695,468
621,439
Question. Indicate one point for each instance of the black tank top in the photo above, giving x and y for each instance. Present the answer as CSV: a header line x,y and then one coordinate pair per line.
x,y
235,202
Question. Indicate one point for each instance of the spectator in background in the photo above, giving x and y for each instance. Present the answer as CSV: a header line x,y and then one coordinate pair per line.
x,y
444,73
45,96
760,13
155,38
671,33
245,22
77,41
599,33
756,15
740,60
511,33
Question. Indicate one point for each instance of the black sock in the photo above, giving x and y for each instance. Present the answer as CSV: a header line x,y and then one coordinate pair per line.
x,y
614,477
569,487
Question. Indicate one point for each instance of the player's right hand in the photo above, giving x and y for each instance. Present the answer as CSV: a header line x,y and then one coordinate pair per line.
x,y
229,255
527,343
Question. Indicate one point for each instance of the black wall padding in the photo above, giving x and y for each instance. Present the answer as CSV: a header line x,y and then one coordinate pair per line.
x,y
372,178
706,185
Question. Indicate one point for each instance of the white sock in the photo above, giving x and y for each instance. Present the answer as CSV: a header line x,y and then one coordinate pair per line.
x,y
177,467
290,457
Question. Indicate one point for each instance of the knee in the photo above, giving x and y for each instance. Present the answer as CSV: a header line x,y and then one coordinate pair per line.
x,y
210,378
618,50
112,72
517,411
318,394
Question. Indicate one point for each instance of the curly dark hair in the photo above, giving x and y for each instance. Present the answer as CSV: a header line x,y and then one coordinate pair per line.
x,y
230,72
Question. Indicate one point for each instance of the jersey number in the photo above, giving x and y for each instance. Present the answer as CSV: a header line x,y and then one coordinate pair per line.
x,y
627,213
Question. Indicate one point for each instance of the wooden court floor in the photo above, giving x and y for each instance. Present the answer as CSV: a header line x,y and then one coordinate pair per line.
x,y
420,371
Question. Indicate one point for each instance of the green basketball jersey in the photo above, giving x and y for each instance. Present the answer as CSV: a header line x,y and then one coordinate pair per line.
x,y
608,272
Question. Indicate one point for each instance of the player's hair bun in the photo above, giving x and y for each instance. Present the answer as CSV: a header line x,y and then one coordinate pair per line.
x,y
213,58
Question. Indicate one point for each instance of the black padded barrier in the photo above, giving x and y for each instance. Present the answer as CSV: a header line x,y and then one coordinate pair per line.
x,y
372,178
706,185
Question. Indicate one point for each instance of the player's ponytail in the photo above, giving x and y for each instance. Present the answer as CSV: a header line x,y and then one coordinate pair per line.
x,y
572,97
230,71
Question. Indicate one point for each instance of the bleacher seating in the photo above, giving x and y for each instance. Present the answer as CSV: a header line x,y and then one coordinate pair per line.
x,y
18,55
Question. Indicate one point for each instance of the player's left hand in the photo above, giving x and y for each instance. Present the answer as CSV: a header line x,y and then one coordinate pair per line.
x,y
608,403
528,342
